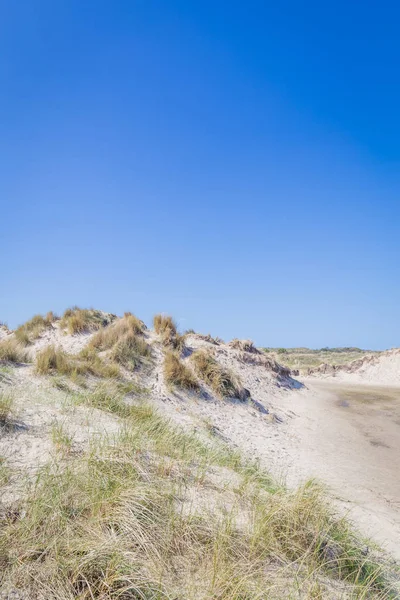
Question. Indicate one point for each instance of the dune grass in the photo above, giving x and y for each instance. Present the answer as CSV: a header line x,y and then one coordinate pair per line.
x,y
137,516
78,320
106,338
176,373
53,360
6,408
131,351
167,329
223,382
12,351
32,329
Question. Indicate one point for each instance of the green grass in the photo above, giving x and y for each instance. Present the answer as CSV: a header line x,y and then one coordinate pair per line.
x,y
5,473
6,408
61,439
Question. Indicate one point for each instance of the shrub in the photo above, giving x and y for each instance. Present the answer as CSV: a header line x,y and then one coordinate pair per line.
x,y
78,320
223,382
12,351
177,373
130,350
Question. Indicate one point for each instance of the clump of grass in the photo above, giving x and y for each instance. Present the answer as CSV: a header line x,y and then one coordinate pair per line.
x,y
6,408
5,473
166,327
31,330
55,360
79,320
109,398
163,322
13,351
106,338
131,351
61,439
244,346
223,382
176,373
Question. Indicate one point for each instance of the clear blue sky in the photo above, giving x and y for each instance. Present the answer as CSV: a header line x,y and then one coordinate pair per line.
x,y
233,163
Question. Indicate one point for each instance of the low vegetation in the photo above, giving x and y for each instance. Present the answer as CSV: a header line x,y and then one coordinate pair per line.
x,y
79,320
156,513
31,330
303,359
223,382
176,373
131,351
6,408
167,329
12,351
142,517
53,360
106,338
244,346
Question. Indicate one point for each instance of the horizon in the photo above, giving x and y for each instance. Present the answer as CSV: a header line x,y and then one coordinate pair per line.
x,y
235,167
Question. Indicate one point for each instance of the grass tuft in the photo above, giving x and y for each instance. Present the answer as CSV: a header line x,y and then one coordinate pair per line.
x,y
13,351
176,373
55,360
223,382
106,338
131,351
6,408
31,330
167,329
79,320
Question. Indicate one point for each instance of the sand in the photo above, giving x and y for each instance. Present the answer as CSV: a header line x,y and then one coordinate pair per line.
x,y
342,430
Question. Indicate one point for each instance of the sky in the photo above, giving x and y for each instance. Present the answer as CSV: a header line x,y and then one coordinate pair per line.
x,y
235,164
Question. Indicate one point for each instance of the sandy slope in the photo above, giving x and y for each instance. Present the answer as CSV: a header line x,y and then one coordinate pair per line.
x,y
296,431
382,369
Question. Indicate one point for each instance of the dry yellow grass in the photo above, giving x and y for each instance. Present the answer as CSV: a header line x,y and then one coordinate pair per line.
x,y
11,350
131,351
167,329
31,330
79,320
106,338
176,373
55,360
223,382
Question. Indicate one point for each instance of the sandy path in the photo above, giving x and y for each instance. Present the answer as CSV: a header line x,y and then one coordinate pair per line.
x,y
349,438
